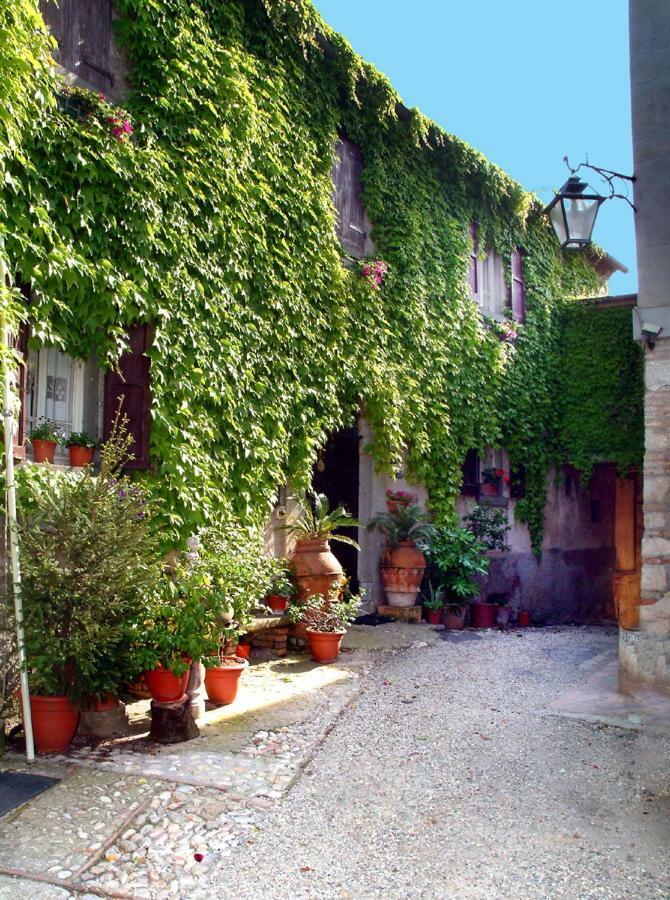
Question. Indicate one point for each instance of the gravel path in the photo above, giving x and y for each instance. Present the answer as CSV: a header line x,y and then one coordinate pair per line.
x,y
449,776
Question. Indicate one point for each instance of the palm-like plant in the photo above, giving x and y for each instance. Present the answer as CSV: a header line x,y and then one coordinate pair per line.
x,y
313,521
405,523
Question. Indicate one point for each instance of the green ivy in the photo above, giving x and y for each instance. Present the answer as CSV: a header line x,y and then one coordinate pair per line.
x,y
216,223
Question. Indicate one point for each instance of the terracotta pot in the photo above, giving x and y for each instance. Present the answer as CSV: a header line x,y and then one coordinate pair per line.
x,y
54,723
401,570
502,616
433,616
454,621
316,568
81,456
489,490
523,619
43,451
277,604
243,651
222,681
104,704
325,646
165,686
483,615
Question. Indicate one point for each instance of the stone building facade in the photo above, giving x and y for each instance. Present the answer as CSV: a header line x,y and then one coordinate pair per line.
x,y
645,650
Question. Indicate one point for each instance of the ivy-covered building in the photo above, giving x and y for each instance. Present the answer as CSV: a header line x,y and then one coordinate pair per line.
x,y
195,198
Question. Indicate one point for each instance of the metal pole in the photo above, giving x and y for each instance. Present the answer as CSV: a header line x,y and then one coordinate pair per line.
x,y
10,512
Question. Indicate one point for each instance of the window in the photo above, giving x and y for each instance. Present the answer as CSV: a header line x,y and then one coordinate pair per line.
x,y
517,287
470,468
351,222
487,280
63,390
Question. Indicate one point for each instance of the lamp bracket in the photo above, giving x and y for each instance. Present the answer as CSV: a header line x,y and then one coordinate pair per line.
x,y
608,176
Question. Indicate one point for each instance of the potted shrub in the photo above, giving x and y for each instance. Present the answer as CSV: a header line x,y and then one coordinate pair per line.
x,y
402,563
394,499
313,526
81,448
282,588
492,482
226,578
433,603
453,617
44,438
89,557
504,609
326,620
456,558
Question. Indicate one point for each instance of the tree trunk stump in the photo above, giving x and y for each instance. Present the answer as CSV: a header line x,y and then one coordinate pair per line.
x,y
172,724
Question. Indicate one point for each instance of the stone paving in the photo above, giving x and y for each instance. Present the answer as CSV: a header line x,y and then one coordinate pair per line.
x,y
365,779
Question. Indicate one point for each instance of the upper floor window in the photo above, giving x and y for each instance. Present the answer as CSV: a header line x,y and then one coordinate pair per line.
x,y
347,189
488,286
83,30
517,287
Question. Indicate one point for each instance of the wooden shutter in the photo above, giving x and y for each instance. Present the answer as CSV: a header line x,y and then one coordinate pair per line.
x,y
83,30
131,382
474,253
471,464
347,197
518,288
21,346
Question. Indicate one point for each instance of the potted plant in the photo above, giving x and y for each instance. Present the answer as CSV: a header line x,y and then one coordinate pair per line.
x,y
523,618
282,588
313,526
81,448
394,499
44,438
433,603
89,557
456,559
492,481
402,563
504,609
226,578
326,620
453,617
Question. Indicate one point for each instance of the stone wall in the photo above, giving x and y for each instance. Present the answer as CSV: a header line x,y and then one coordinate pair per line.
x,y
645,653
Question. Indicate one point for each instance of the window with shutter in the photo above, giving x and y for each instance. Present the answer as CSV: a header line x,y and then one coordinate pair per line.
x,y
83,30
474,252
130,385
471,465
347,190
517,288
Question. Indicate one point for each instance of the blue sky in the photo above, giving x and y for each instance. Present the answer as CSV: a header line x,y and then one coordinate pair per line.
x,y
524,81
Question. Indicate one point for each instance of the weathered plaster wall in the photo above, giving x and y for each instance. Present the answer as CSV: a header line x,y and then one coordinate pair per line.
x,y
573,581
645,652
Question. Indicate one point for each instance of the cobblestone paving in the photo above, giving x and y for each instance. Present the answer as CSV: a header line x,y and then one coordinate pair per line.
x,y
439,771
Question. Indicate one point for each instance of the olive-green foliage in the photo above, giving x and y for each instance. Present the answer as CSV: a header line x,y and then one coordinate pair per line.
x,y
601,389
216,223
89,559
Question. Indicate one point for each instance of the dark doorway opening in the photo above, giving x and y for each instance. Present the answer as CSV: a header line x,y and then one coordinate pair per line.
x,y
336,475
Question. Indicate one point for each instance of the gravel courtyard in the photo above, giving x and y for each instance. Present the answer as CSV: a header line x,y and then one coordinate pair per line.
x,y
422,765
450,776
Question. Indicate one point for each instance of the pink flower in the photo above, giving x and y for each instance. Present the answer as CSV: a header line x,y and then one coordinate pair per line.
x,y
127,127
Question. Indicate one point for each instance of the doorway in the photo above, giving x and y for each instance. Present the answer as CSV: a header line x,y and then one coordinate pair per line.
x,y
336,474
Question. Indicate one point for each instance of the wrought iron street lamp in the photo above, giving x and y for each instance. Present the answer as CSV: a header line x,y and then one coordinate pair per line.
x,y
573,210
573,213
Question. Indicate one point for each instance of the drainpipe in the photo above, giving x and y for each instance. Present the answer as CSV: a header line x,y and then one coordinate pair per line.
x,y
10,511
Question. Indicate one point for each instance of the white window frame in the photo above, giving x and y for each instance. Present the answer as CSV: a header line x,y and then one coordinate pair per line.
x,y
38,363
491,287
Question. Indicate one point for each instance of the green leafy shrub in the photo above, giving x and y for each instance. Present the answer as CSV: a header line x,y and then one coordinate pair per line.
x,y
329,614
455,558
489,525
80,439
89,558
46,430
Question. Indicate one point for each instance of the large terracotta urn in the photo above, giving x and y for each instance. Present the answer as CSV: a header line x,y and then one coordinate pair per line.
x,y
316,568
401,570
